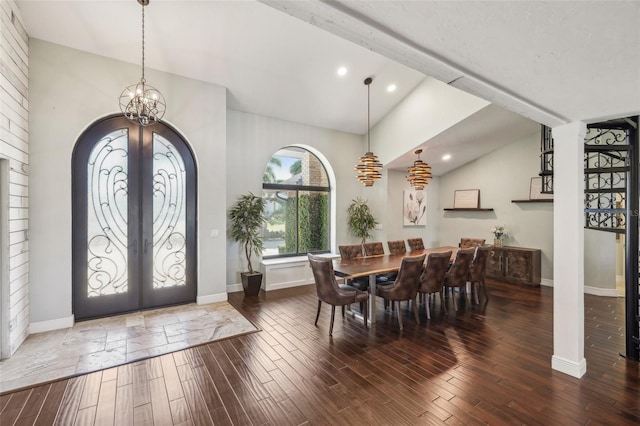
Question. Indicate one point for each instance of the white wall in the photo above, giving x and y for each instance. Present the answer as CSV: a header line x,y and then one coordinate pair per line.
x,y
14,159
501,176
600,262
395,230
69,90
427,111
253,139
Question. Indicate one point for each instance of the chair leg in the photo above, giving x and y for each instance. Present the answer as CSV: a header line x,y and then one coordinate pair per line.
x,y
399,313
442,304
415,310
453,296
476,286
342,311
333,314
428,310
364,310
318,314
467,299
484,289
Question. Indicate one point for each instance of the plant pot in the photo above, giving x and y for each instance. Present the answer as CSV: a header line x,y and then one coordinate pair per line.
x,y
251,283
497,242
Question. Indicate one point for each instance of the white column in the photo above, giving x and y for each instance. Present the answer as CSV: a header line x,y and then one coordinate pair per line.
x,y
568,249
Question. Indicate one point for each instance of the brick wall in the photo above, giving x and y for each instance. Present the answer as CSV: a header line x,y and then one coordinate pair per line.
x,y
14,154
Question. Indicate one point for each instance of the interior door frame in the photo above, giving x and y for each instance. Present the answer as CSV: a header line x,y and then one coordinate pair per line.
x,y
139,174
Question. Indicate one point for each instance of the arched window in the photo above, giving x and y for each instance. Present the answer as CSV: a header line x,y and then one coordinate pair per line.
x,y
296,187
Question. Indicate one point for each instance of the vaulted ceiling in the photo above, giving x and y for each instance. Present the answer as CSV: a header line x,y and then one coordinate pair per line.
x,y
552,62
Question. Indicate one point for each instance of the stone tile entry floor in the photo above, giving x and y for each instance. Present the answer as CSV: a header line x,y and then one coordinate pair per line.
x,y
107,342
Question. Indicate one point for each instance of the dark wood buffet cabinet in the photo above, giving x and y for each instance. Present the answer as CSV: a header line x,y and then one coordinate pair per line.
x,y
515,264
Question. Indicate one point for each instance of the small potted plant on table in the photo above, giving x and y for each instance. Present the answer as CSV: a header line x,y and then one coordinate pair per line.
x,y
246,218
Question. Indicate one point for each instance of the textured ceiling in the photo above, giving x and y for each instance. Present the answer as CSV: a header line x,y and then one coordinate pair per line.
x,y
552,62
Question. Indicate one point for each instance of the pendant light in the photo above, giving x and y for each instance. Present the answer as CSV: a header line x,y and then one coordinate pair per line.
x,y
140,102
419,173
368,168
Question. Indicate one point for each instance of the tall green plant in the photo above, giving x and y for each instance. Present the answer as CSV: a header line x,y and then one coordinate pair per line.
x,y
360,219
247,217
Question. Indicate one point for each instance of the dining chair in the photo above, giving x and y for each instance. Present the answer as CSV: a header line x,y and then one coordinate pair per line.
x,y
478,271
329,292
415,244
470,242
351,252
377,249
405,286
397,247
373,249
459,272
432,279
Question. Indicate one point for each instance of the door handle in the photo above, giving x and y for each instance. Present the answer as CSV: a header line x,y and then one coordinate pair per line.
x,y
147,243
134,245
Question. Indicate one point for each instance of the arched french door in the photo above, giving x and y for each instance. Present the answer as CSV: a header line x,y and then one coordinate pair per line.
x,y
134,219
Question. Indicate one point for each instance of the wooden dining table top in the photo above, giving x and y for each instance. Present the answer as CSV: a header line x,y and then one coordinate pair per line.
x,y
382,264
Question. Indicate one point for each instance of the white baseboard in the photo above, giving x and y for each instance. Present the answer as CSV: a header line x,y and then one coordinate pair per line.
x,y
211,298
597,291
234,288
575,369
288,285
546,282
50,325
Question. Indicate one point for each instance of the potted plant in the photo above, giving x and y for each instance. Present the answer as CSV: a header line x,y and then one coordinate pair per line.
x,y
247,217
360,219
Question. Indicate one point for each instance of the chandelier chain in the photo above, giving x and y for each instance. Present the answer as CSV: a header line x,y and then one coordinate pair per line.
x,y
369,117
142,103
143,80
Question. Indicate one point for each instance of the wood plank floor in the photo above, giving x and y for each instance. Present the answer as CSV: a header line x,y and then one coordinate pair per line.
x,y
486,364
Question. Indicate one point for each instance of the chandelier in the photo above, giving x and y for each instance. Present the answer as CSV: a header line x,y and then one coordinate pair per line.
x,y
368,168
140,102
419,173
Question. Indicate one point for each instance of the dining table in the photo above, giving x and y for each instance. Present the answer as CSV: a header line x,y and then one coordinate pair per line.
x,y
381,264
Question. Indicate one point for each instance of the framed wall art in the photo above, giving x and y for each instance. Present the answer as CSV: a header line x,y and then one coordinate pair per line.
x,y
535,190
414,208
466,199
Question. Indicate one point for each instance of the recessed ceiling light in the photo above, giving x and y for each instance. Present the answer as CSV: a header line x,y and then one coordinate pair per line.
x,y
342,71
446,157
391,88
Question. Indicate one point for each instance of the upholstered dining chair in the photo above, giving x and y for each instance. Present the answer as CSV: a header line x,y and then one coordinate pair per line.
x,y
329,292
405,286
373,249
351,252
377,249
478,271
397,247
432,279
415,244
470,242
459,272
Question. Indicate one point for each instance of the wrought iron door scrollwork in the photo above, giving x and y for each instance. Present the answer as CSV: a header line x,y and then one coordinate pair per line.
x,y
169,227
107,215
